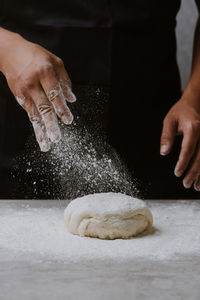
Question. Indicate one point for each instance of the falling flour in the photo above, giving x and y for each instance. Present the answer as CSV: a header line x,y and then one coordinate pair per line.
x,y
81,163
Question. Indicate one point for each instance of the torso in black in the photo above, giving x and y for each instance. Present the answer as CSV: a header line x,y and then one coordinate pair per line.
x,y
128,45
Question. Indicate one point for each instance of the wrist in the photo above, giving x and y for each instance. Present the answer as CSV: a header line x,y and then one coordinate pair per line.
x,y
191,95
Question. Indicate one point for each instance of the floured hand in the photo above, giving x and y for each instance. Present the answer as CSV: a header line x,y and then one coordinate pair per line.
x,y
40,84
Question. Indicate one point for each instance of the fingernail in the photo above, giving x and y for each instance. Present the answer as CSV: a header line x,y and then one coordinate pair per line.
x,y
187,184
68,119
163,149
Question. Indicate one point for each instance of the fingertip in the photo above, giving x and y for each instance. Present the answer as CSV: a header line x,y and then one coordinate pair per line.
x,y
69,96
187,184
57,139
68,119
164,149
197,184
197,188
67,92
54,137
177,171
44,146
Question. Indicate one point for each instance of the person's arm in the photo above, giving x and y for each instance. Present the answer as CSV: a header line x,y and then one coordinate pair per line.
x,y
40,84
184,119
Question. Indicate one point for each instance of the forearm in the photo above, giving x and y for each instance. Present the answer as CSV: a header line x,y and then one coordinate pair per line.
x,y
39,82
192,90
8,40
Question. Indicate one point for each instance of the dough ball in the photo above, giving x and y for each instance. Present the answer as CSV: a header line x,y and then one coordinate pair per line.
x,y
107,216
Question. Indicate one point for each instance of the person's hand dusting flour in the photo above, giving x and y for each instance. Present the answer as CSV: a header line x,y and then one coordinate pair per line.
x,y
107,216
40,84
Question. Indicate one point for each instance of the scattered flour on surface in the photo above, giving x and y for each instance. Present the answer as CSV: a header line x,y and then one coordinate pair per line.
x,y
36,229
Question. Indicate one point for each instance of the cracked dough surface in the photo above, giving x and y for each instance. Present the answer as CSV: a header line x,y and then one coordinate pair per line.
x,y
107,216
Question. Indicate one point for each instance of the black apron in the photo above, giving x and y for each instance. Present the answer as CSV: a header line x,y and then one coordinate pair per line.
x,y
129,46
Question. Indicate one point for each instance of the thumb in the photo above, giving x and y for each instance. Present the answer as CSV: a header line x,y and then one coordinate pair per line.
x,y
168,135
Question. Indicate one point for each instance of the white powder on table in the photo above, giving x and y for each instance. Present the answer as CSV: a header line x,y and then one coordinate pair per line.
x,y
36,229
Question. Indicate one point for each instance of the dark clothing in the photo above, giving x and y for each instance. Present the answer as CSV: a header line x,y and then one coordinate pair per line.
x,y
145,84
128,45
77,31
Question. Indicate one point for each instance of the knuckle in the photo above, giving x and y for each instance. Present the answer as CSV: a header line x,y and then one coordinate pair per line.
x,y
54,93
34,119
59,62
44,109
196,125
44,69
188,125
168,117
165,137
192,126
165,120
29,82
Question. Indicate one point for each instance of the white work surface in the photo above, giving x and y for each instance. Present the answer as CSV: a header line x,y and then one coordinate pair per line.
x,y
39,259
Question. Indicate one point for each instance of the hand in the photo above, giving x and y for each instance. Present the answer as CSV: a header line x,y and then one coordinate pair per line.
x,y
184,119
41,85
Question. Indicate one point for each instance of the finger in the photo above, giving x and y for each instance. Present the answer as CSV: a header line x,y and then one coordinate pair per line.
x,y
54,93
168,136
65,81
47,113
194,171
36,121
21,100
197,184
69,95
188,148
61,71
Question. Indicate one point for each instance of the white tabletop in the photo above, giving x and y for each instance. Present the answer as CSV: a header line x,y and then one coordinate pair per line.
x,y
39,259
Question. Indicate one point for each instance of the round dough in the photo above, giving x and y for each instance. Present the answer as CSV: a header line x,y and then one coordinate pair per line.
x,y
107,216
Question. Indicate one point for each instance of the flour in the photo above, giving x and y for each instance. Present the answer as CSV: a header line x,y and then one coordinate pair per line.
x,y
40,132
81,163
86,165
35,229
